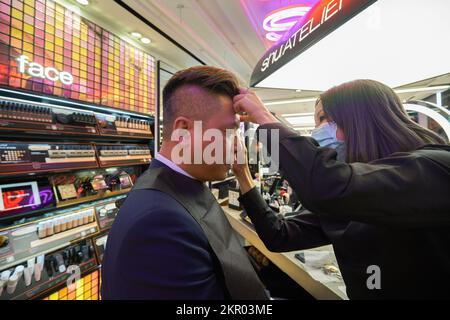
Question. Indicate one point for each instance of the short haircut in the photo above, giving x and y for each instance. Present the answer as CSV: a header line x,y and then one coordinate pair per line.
x,y
211,79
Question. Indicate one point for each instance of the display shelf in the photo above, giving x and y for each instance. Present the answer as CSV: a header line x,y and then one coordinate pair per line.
x,y
86,200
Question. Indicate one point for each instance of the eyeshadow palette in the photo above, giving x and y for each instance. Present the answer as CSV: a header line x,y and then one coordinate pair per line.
x,y
118,154
39,157
72,57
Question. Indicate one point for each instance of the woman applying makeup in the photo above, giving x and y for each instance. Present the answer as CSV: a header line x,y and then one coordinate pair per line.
x,y
376,186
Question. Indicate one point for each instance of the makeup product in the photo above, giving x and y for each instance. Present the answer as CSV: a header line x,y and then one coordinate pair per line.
x,y
5,275
66,257
80,218
85,251
42,230
91,217
38,267
19,271
50,228
69,222
57,223
50,266
63,224
2,285
72,254
12,284
86,217
29,270
24,157
78,257
75,220
60,263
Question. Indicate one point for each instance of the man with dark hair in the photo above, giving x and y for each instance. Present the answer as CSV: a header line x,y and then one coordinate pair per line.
x,y
171,239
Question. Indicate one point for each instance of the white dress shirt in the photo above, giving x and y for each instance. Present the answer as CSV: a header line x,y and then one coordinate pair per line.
x,y
172,165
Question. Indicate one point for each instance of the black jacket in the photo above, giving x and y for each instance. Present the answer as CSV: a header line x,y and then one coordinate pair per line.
x,y
156,250
393,213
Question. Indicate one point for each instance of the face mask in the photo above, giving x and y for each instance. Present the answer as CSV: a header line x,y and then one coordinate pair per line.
x,y
325,135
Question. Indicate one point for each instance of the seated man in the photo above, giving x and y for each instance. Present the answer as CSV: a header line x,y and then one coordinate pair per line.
x,y
171,239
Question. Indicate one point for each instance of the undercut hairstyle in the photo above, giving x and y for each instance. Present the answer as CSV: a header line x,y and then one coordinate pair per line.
x,y
180,95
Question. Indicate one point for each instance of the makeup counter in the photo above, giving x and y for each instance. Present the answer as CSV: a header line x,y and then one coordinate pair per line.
x,y
306,274
77,109
59,192
313,270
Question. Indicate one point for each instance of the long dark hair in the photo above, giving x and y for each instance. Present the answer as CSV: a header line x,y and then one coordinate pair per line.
x,y
373,120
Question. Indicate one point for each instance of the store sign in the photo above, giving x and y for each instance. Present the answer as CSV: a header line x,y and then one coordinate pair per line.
x,y
35,69
321,20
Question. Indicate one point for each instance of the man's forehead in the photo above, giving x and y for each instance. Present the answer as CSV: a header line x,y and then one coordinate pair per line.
x,y
192,90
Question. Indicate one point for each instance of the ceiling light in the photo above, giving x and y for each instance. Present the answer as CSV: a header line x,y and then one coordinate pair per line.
x,y
423,89
272,103
297,114
301,121
83,2
146,40
136,35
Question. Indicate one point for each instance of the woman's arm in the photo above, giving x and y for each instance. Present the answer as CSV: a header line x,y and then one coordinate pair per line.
x,y
279,235
404,189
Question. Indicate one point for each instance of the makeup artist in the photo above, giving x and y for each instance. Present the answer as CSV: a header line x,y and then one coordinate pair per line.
x,y
376,186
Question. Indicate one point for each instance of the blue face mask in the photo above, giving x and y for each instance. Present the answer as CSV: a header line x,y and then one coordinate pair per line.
x,y
325,135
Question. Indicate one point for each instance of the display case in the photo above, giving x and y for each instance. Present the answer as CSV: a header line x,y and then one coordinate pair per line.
x,y
77,124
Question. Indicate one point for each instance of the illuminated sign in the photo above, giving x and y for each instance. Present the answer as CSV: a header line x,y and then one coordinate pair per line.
x,y
321,20
35,69
328,11
281,20
105,69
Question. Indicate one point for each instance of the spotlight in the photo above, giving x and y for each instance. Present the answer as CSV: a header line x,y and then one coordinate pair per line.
x,y
136,35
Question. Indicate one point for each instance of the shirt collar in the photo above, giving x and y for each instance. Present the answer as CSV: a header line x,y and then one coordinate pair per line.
x,y
172,165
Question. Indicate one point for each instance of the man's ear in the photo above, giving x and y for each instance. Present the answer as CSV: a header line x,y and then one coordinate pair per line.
x,y
182,123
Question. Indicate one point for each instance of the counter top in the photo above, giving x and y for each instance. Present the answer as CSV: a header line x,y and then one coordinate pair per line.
x,y
287,262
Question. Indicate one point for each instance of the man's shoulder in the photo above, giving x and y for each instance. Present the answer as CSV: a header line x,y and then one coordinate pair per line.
x,y
154,209
146,202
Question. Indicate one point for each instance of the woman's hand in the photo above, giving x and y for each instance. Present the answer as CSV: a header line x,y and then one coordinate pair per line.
x,y
240,167
251,109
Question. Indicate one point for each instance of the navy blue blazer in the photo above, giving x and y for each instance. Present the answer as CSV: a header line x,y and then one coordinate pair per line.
x,y
156,250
